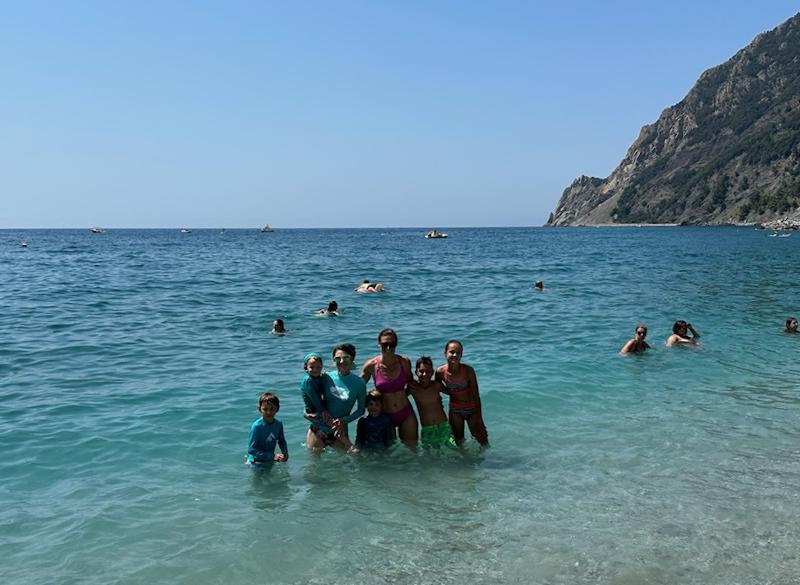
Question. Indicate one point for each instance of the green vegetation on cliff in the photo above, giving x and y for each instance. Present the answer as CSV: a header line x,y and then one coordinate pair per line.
x,y
729,151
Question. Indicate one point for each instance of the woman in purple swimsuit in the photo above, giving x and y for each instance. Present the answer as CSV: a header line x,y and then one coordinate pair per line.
x,y
392,373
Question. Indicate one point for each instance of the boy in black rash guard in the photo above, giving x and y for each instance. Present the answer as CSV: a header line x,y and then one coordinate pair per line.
x,y
374,430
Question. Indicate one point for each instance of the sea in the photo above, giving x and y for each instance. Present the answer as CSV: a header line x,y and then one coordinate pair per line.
x,y
131,363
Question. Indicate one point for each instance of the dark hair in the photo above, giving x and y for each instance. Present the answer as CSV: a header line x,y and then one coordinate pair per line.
x,y
375,396
333,306
388,331
679,325
789,321
461,345
269,398
423,360
348,348
642,325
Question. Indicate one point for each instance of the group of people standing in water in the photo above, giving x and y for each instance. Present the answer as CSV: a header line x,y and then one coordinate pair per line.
x,y
682,334
335,399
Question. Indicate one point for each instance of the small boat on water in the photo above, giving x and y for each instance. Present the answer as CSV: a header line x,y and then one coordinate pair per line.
x,y
777,235
185,231
266,229
435,235
23,244
97,230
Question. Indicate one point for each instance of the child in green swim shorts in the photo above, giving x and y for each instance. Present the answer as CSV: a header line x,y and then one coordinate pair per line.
x,y
436,431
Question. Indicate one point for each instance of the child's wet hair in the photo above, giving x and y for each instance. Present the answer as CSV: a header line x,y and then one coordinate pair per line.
x,y
311,356
461,345
269,398
424,360
375,395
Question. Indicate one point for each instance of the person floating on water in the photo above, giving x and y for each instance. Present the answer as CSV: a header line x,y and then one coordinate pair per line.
x,y
680,334
331,310
278,327
538,285
374,431
266,433
436,431
637,344
791,325
368,287
461,385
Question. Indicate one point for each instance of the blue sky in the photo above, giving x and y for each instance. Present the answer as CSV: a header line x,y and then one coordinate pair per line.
x,y
336,114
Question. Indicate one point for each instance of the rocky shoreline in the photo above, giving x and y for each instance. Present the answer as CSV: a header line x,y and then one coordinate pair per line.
x,y
782,224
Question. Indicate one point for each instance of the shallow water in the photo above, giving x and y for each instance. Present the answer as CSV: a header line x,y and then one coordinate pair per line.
x,y
131,363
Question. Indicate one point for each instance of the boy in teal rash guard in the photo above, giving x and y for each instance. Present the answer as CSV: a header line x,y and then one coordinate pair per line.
x,y
312,389
348,390
266,432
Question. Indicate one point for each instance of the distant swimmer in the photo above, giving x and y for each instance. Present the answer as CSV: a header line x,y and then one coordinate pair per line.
x,y
680,334
791,325
278,327
368,287
331,309
637,344
539,285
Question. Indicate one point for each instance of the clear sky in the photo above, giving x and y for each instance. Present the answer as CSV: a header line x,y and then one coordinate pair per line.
x,y
336,113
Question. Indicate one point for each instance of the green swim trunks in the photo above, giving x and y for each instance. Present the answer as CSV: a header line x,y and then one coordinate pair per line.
x,y
440,435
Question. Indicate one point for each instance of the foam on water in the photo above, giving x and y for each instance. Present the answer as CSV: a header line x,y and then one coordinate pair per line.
x,y
131,362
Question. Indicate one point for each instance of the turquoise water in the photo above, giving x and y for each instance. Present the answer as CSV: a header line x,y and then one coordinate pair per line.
x,y
131,363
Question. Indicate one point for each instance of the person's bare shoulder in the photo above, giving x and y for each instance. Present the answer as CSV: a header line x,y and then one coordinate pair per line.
x,y
369,365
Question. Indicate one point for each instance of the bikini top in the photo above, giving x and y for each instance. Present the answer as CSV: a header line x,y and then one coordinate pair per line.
x,y
390,386
457,387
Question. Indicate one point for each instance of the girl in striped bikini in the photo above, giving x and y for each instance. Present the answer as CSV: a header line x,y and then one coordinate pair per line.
x,y
461,385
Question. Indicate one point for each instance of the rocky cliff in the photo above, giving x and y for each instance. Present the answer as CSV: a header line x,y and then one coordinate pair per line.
x,y
729,152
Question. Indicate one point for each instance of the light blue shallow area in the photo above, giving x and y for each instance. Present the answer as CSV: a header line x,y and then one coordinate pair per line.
x,y
131,363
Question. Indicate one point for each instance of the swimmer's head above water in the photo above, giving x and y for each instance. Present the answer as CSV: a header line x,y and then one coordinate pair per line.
x,y
791,325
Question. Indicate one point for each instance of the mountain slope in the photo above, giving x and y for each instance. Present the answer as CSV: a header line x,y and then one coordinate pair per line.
x,y
728,152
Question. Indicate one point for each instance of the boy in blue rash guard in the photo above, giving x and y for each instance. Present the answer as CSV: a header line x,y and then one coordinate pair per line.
x,y
266,432
348,390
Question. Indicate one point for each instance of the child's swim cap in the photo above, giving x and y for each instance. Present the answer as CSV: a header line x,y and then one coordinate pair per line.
x,y
311,356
